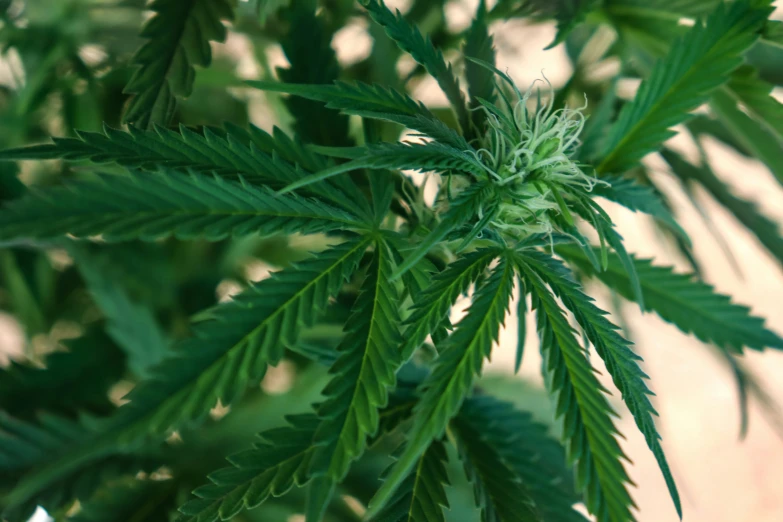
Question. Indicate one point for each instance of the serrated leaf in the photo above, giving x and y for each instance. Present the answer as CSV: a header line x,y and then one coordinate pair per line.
x,y
460,359
362,375
499,491
271,468
521,325
431,308
165,204
582,403
621,362
234,153
429,157
230,349
637,197
178,37
422,496
696,65
691,305
26,443
421,48
524,449
373,101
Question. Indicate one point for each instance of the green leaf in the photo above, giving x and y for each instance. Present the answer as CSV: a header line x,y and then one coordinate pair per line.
x,y
129,499
92,360
271,468
598,124
373,101
583,405
481,82
606,231
236,152
696,65
432,156
410,40
362,375
750,133
460,358
178,38
746,212
637,197
499,491
691,305
131,324
307,46
154,206
461,210
525,452
569,14
521,325
431,308
621,362
422,496
231,347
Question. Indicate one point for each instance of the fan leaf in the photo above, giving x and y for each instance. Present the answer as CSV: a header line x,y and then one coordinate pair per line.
x,y
166,204
361,377
681,299
178,38
230,349
460,358
696,65
271,468
621,362
410,40
582,403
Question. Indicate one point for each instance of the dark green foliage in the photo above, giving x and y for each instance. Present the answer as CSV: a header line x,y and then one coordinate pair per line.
x,y
422,496
535,460
410,40
191,280
621,362
365,369
481,82
75,379
695,66
312,62
460,360
163,204
588,427
274,465
500,492
179,36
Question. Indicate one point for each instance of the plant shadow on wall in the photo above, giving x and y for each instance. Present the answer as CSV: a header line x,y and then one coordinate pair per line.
x,y
139,395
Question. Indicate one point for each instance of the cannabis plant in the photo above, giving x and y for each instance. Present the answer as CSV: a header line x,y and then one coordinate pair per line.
x,y
182,287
